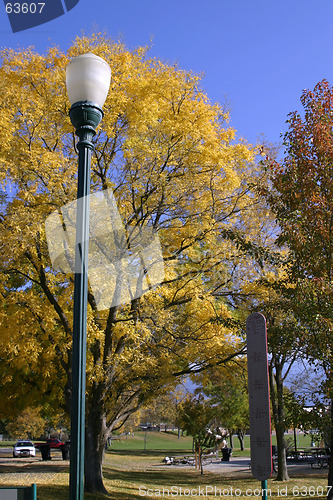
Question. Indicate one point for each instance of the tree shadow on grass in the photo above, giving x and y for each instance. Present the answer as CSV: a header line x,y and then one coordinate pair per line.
x,y
32,468
168,481
155,478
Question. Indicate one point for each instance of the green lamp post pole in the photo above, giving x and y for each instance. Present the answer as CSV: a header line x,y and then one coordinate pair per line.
x,y
88,80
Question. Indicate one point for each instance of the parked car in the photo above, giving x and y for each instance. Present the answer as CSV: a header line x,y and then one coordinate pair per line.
x,y
53,443
24,449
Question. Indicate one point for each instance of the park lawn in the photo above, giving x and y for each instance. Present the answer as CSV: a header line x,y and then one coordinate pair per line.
x,y
5,444
128,467
169,441
126,472
152,441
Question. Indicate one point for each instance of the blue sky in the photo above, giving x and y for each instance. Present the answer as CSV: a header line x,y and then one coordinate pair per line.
x,y
258,54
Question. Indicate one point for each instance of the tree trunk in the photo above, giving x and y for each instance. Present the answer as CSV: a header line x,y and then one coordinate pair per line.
x,y
231,439
282,459
200,459
96,436
278,414
240,435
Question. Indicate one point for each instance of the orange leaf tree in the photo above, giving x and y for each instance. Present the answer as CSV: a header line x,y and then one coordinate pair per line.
x,y
302,199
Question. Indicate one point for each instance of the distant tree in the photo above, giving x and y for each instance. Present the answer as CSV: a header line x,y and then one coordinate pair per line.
x,y
297,414
130,424
228,396
163,408
28,425
196,416
284,347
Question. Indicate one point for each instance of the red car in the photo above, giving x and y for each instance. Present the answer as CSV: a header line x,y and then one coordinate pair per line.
x,y
54,443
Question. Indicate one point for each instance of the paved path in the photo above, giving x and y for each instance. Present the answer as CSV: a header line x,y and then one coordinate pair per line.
x,y
241,467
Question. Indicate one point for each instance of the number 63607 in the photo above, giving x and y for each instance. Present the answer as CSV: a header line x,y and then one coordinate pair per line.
x,y
24,8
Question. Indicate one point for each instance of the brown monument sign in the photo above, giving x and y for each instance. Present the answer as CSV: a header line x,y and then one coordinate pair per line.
x,y
260,423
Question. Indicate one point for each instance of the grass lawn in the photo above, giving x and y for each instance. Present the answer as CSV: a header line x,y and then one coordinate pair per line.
x,y
169,440
130,473
152,441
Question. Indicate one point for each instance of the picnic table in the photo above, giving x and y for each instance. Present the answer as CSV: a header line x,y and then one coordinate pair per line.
x,y
312,452
179,460
187,460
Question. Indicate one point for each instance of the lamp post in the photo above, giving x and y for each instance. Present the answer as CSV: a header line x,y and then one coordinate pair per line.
x,y
88,80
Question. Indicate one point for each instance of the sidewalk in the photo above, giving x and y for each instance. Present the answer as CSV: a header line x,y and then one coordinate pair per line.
x,y
240,467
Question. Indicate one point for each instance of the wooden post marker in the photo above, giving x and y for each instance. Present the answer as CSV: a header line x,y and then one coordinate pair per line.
x,y
260,421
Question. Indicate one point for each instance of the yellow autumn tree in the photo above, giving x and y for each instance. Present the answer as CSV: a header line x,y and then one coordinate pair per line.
x,y
172,163
28,425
